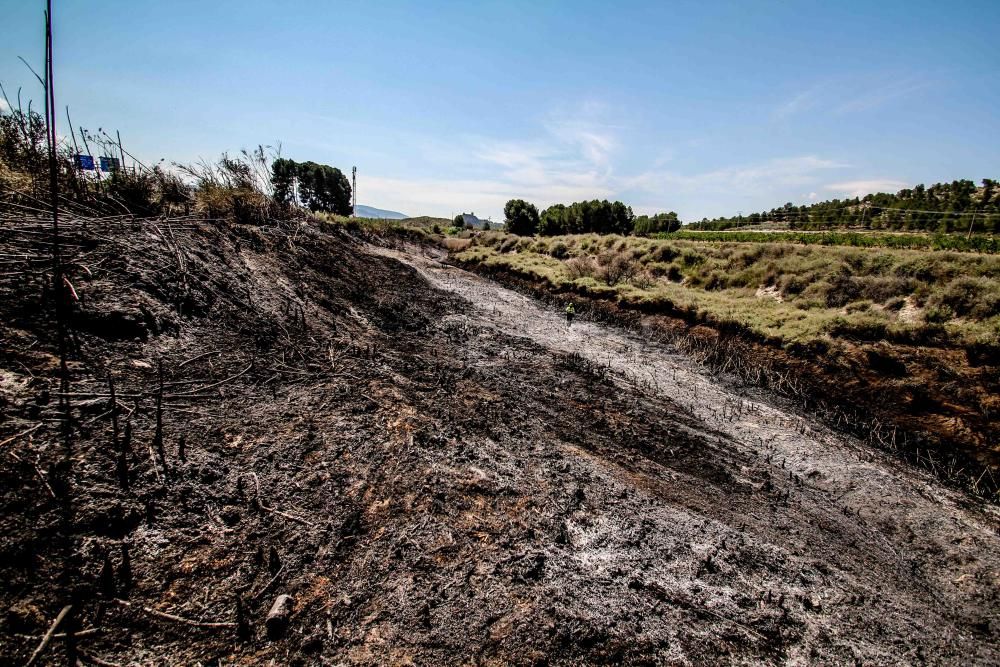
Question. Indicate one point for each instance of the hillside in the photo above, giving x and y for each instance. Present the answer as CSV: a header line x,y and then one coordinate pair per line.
x,y
322,429
363,211
942,207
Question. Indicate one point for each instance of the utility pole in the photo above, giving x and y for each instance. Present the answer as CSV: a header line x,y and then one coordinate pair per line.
x,y
354,191
971,223
59,292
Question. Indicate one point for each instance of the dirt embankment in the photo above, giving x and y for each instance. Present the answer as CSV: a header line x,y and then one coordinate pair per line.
x,y
934,407
434,478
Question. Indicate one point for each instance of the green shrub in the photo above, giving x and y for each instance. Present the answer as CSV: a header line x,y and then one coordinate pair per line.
x,y
616,267
810,304
691,258
844,288
968,296
790,285
894,303
938,314
559,250
867,328
643,280
881,288
580,267
664,253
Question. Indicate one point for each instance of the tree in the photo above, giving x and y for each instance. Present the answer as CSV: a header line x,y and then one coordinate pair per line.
x,y
459,220
989,187
321,187
622,218
521,217
324,188
597,216
307,177
661,222
553,221
283,172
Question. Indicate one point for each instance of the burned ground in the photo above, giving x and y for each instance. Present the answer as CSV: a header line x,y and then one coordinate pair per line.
x,y
433,478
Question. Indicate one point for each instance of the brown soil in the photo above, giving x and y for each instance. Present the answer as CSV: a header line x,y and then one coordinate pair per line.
x,y
438,471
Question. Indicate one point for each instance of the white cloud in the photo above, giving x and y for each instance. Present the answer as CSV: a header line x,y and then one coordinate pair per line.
x,y
778,173
594,143
486,197
570,160
586,131
562,170
803,101
754,186
865,187
512,155
543,163
882,94
665,157
851,94
4,107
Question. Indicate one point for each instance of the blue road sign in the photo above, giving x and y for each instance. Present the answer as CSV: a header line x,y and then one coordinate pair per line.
x,y
110,164
85,162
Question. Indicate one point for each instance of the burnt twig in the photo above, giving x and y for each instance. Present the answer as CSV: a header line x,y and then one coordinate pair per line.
x,y
177,619
48,635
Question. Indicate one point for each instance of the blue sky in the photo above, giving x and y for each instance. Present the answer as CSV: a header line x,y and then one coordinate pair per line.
x,y
706,108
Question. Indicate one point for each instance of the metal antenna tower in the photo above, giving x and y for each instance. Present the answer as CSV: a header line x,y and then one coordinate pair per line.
x,y
354,191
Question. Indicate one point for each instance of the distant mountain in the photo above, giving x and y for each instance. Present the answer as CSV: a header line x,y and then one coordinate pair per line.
x,y
363,211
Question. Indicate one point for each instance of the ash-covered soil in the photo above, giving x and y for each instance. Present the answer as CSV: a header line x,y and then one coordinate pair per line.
x,y
437,471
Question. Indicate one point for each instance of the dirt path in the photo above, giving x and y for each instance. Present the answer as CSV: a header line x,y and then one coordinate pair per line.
x,y
866,530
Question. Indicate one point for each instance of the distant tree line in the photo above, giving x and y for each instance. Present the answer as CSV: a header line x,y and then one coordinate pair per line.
x,y
320,187
585,217
645,225
942,207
